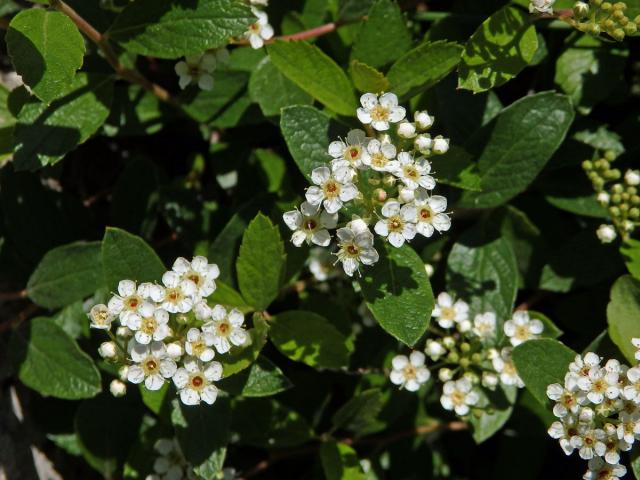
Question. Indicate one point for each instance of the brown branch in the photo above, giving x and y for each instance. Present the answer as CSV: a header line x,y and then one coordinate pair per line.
x,y
102,42
21,317
379,441
11,296
305,34
4,23
536,298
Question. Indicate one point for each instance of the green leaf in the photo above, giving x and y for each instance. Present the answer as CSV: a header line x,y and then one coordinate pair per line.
x,y
383,35
483,271
44,134
423,67
551,330
398,293
155,400
498,50
174,28
73,320
203,433
263,379
587,206
359,415
240,358
631,253
541,363
367,79
307,132
456,168
207,106
128,257
273,91
315,73
515,147
66,274
309,338
623,313
229,297
340,462
261,262
50,361
491,421
46,49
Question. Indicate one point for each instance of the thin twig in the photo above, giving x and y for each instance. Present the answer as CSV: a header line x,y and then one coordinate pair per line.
x,y
102,42
28,311
305,34
533,300
11,296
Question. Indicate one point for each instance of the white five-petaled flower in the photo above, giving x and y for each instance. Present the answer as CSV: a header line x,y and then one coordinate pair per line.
x,y
129,300
151,324
606,233
599,384
541,6
259,31
447,312
503,364
177,294
414,173
568,402
152,364
589,442
614,444
356,246
632,177
198,274
226,328
199,344
399,223
632,390
459,396
434,349
101,317
194,381
629,426
331,189
350,152
564,431
600,470
381,156
199,69
379,112
484,325
522,328
409,373
431,216
310,224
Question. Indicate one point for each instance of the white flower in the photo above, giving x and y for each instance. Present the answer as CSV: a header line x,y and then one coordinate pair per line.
x,y
332,189
636,343
226,328
259,31
356,246
459,396
490,380
381,156
629,427
484,325
598,384
580,367
175,350
117,388
423,120
603,198
568,402
564,431
447,312
632,390
503,364
589,442
178,294
434,349
151,324
310,225
541,6
108,350
321,264
262,3
197,276
440,145
431,216
406,130
445,374
199,344
352,151
399,223
151,364
614,444
380,112
410,372
414,173
101,317
599,470
606,233
198,69
128,301
632,177
194,381
521,328
423,143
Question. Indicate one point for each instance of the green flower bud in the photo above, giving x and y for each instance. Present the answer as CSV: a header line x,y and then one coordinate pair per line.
x,y
610,155
618,34
580,10
625,197
635,200
632,190
465,347
598,183
618,14
596,3
465,362
379,195
453,357
630,28
389,180
634,213
616,198
476,358
617,188
594,29
587,165
614,211
620,6
609,24
606,6
637,20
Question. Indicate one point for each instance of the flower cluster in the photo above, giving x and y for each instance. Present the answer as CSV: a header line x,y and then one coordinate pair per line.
x,y
468,354
598,16
260,30
598,410
380,177
168,331
198,69
621,199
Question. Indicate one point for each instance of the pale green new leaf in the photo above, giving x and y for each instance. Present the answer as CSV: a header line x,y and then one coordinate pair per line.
x,y
367,79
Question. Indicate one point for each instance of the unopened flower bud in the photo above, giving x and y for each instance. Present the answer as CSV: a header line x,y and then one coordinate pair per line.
x,y
587,165
617,188
632,177
434,349
465,347
580,10
604,198
123,372
406,130
117,388
594,29
440,145
629,226
618,34
606,233
489,380
406,195
123,332
449,342
606,6
429,269
634,213
389,180
108,350
445,374
379,195
423,143
175,350
423,120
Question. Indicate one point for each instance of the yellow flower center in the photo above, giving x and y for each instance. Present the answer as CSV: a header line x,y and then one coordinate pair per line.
x,y
379,113
331,189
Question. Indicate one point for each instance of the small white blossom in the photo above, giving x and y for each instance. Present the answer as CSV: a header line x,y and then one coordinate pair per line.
x,y
490,380
199,69
604,198
440,145
459,396
199,344
632,390
101,317
175,350
406,130
589,443
503,364
261,3
614,444
198,276
423,120
108,350
632,177
409,373
445,374
310,224
636,343
564,431
447,312
151,364
177,294
381,156
434,349
321,264
599,470
260,30
522,328
629,427
484,325
398,224
379,112
352,151
568,402
598,384
151,324
128,301
414,173
423,143
606,233
541,6
431,216
331,189
194,381
356,246
117,388
226,328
